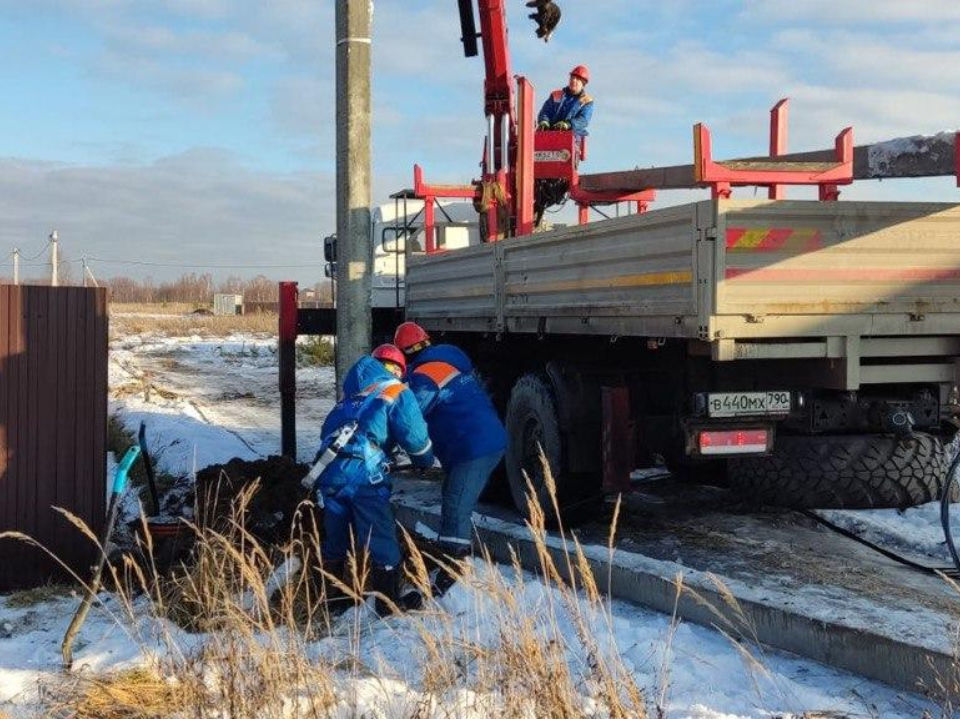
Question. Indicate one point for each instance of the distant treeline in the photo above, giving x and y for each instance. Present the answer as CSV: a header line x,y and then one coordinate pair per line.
x,y
200,288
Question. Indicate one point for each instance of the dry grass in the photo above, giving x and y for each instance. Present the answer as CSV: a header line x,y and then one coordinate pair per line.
x,y
259,659
34,596
188,325
163,308
138,693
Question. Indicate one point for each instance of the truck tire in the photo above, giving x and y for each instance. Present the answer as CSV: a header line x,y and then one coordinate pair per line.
x,y
533,422
844,471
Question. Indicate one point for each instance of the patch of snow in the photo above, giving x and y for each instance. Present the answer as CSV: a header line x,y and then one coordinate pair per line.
x,y
206,401
881,155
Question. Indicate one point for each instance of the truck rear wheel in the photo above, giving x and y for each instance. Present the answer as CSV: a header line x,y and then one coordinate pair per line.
x,y
845,471
533,424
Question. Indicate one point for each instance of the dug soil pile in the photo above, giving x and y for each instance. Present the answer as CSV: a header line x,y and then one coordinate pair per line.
x,y
271,509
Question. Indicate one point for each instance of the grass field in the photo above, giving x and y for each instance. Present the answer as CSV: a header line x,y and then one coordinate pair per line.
x,y
177,319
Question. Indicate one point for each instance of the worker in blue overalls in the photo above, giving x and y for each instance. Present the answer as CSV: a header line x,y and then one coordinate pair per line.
x,y
569,108
468,438
355,488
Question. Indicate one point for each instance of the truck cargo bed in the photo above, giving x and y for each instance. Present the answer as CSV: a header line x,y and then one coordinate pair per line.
x,y
815,277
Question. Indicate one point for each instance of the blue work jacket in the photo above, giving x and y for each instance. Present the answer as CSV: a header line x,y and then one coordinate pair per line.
x,y
563,105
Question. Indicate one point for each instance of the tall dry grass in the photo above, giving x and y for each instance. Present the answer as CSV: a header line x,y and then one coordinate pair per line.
x,y
219,638
215,633
185,325
159,308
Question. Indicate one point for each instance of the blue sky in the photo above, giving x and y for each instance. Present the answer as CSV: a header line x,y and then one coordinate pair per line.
x,y
200,132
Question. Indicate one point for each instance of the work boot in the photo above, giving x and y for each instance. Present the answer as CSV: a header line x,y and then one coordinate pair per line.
x,y
334,596
385,583
444,578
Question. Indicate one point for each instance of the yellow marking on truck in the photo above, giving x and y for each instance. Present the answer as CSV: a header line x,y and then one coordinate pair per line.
x,y
669,277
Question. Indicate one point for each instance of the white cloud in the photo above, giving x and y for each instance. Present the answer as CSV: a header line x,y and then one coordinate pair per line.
x,y
149,39
861,12
886,67
200,208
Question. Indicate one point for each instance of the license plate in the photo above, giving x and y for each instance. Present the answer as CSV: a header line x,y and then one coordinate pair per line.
x,y
561,156
737,404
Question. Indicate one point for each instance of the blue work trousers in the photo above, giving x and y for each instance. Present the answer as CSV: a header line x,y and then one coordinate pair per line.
x,y
461,491
368,514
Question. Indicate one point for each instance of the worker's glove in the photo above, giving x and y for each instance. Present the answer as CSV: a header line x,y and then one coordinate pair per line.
x,y
544,125
562,125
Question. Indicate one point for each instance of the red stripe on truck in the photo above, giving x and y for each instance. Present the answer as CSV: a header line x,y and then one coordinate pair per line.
x,y
842,275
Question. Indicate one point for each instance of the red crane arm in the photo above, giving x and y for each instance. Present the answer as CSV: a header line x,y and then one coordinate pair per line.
x,y
498,83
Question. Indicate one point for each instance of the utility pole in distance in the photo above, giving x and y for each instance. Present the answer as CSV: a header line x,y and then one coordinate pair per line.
x,y
16,266
54,259
354,252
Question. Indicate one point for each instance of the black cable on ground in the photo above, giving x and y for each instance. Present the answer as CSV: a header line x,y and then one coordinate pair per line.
x,y
945,508
948,571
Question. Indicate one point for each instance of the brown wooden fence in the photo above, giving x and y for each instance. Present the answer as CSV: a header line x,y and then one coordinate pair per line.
x,y
53,407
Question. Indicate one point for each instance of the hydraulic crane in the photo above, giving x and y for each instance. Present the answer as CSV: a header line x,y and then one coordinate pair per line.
x,y
523,171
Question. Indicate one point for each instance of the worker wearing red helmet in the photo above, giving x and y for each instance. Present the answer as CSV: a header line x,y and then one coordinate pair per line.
x,y
354,488
468,438
569,108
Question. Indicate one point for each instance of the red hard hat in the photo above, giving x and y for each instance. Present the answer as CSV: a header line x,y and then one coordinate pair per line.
x,y
410,337
581,72
391,353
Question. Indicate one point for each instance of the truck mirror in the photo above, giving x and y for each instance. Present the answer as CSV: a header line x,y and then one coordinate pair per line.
x,y
393,240
330,270
330,249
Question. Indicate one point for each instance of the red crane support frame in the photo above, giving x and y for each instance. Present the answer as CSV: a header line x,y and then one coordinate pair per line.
x,y
778,140
721,178
429,194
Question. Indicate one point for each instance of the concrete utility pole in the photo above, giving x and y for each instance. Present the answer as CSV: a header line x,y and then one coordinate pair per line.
x,y
16,266
54,259
354,247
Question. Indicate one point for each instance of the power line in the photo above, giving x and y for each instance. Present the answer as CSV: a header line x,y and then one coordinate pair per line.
x,y
185,266
46,264
39,253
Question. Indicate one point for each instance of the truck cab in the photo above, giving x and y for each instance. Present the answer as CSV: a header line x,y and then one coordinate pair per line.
x,y
398,229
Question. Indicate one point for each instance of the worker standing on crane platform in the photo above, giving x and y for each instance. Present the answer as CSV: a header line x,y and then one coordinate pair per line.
x,y
468,437
569,108
354,489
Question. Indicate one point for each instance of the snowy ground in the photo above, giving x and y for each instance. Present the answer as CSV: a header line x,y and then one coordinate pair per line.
x,y
208,400
917,531
688,671
211,400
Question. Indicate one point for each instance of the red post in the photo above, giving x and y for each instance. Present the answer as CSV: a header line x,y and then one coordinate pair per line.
x,y
583,213
829,192
429,224
617,438
956,149
778,140
524,171
288,368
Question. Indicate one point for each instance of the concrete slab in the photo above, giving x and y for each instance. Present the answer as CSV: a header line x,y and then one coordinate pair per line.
x,y
776,578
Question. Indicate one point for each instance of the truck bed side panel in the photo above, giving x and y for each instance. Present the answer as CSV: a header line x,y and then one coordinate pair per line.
x,y
458,284
636,265
836,258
